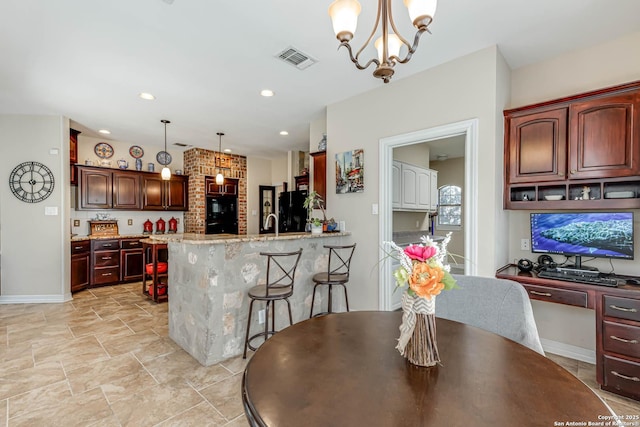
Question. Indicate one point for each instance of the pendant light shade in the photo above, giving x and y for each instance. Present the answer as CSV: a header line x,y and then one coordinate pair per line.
x,y
166,172
219,176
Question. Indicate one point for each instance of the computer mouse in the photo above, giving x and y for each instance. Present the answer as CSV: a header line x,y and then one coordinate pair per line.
x,y
633,282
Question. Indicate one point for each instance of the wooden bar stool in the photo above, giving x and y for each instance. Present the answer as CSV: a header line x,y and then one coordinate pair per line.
x,y
337,274
281,270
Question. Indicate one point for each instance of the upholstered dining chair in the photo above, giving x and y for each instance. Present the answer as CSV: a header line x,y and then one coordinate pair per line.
x,y
495,305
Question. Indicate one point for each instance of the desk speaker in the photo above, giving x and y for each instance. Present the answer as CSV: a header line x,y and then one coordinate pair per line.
x,y
525,265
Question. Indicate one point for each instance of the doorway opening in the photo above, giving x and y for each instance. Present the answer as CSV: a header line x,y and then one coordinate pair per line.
x,y
467,129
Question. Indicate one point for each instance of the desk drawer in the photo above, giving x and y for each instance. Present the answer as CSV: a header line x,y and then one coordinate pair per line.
x,y
560,296
622,376
622,308
106,259
101,245
621,339
79,247
106,275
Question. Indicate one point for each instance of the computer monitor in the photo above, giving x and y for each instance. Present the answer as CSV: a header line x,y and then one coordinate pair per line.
x,y
592,234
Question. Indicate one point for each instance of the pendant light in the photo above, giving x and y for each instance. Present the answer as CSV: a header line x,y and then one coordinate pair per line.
x,y
219,176
166,172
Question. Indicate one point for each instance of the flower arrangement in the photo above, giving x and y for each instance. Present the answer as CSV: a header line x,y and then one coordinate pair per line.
x,y
424,271
423,268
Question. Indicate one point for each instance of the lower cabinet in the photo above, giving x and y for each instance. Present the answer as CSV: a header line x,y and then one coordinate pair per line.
x,y
131,260
80,265
105,262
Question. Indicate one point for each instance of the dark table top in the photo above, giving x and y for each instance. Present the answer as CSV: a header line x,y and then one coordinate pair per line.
x,y
343,370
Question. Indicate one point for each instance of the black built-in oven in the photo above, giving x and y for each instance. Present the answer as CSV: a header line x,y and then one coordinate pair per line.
x,y
222,215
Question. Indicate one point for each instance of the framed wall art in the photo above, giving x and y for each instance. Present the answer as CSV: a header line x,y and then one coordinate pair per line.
x,y
350,172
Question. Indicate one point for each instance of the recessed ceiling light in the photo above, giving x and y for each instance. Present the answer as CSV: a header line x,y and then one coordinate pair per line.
x,y
266,92
284,133
105,132
227,150
147,96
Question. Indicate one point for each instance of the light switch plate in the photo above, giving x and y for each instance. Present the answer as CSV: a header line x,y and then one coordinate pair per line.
x,y
51,210
374,209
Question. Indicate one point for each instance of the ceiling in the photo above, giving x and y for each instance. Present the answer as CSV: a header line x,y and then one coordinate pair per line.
x,y
206,61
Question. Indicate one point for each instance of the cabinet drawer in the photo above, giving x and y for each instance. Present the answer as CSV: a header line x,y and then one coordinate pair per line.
x,y
99,245
130,244
80,247
560,296
622,376
622,308
621,339
106,275
106,259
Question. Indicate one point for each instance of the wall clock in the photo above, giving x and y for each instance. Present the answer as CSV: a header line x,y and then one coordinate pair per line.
x,y
103,150
31,182
163,158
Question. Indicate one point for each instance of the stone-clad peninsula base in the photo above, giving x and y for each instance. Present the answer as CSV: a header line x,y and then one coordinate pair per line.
x,y
208,281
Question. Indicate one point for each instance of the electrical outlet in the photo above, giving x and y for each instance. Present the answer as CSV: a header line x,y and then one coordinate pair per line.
x,y
76,223
525,244
261,317
129,222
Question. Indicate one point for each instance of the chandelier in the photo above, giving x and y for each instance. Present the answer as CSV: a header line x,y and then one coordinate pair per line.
x,y
344,16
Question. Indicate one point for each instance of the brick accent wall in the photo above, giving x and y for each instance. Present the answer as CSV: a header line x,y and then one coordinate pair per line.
x,y
199,163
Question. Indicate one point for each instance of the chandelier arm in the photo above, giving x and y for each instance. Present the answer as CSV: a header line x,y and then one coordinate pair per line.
x,y
373,32
395,30
355,59
413,48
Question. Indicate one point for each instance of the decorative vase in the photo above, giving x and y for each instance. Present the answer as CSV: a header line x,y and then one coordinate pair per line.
x,y
417,342
138,164
316,229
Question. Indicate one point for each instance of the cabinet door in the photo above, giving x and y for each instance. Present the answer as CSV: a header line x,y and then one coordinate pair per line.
x,y
126,190
396,185
424,189
95,189
152,193
409,187
320,174
434,190
176,193
131,264
604,137
537,147
79,272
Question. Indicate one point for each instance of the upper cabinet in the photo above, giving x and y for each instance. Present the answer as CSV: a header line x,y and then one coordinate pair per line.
x,y
73,156
320,174
229,187
415,190
581,152
104,188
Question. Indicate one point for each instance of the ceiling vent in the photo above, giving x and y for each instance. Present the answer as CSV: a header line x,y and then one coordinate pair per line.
x,y
296,57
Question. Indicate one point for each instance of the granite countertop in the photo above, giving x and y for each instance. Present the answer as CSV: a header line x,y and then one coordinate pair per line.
x,y
117,236
213,239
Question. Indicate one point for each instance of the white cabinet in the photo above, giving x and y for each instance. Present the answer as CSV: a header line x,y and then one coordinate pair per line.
x,y
416,189
396,186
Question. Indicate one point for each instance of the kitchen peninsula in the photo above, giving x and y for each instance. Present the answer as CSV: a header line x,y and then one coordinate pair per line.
x,y
210,275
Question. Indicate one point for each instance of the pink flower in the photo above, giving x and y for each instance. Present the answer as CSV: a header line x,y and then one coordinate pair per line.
x,y
420,253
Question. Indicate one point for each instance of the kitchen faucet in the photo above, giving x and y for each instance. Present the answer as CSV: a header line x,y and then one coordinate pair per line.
x,y
266,222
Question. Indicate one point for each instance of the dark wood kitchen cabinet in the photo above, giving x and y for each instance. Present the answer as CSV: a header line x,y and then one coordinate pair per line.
x,y
229,187
158,194
131,260
109,189
557,151
80,265
73,156
320,174
105,262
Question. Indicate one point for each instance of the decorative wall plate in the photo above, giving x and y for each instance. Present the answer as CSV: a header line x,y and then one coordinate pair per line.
x,y
31,182
136,152
163,158
103,150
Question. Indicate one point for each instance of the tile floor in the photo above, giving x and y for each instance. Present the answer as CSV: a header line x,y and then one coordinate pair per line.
x,y
105,359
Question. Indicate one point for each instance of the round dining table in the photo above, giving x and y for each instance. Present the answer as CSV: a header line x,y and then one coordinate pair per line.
x,y
343,370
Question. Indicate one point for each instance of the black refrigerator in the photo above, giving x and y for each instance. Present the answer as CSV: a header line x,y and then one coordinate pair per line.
x,y
292,216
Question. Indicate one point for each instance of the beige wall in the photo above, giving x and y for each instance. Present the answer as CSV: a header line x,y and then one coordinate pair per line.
x,y
451,172
35,247
459,90
596,67
416,154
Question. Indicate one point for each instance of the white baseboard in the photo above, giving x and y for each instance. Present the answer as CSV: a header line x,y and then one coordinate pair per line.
x,y
34,299
568,350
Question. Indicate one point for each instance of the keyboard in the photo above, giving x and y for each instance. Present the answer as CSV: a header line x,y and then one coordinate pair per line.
x,y
578,278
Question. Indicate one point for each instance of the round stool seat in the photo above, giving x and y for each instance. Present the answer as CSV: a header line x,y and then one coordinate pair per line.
x,y
260,292
330,278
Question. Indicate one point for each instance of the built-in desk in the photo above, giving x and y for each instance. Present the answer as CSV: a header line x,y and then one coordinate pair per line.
x,y
617,323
